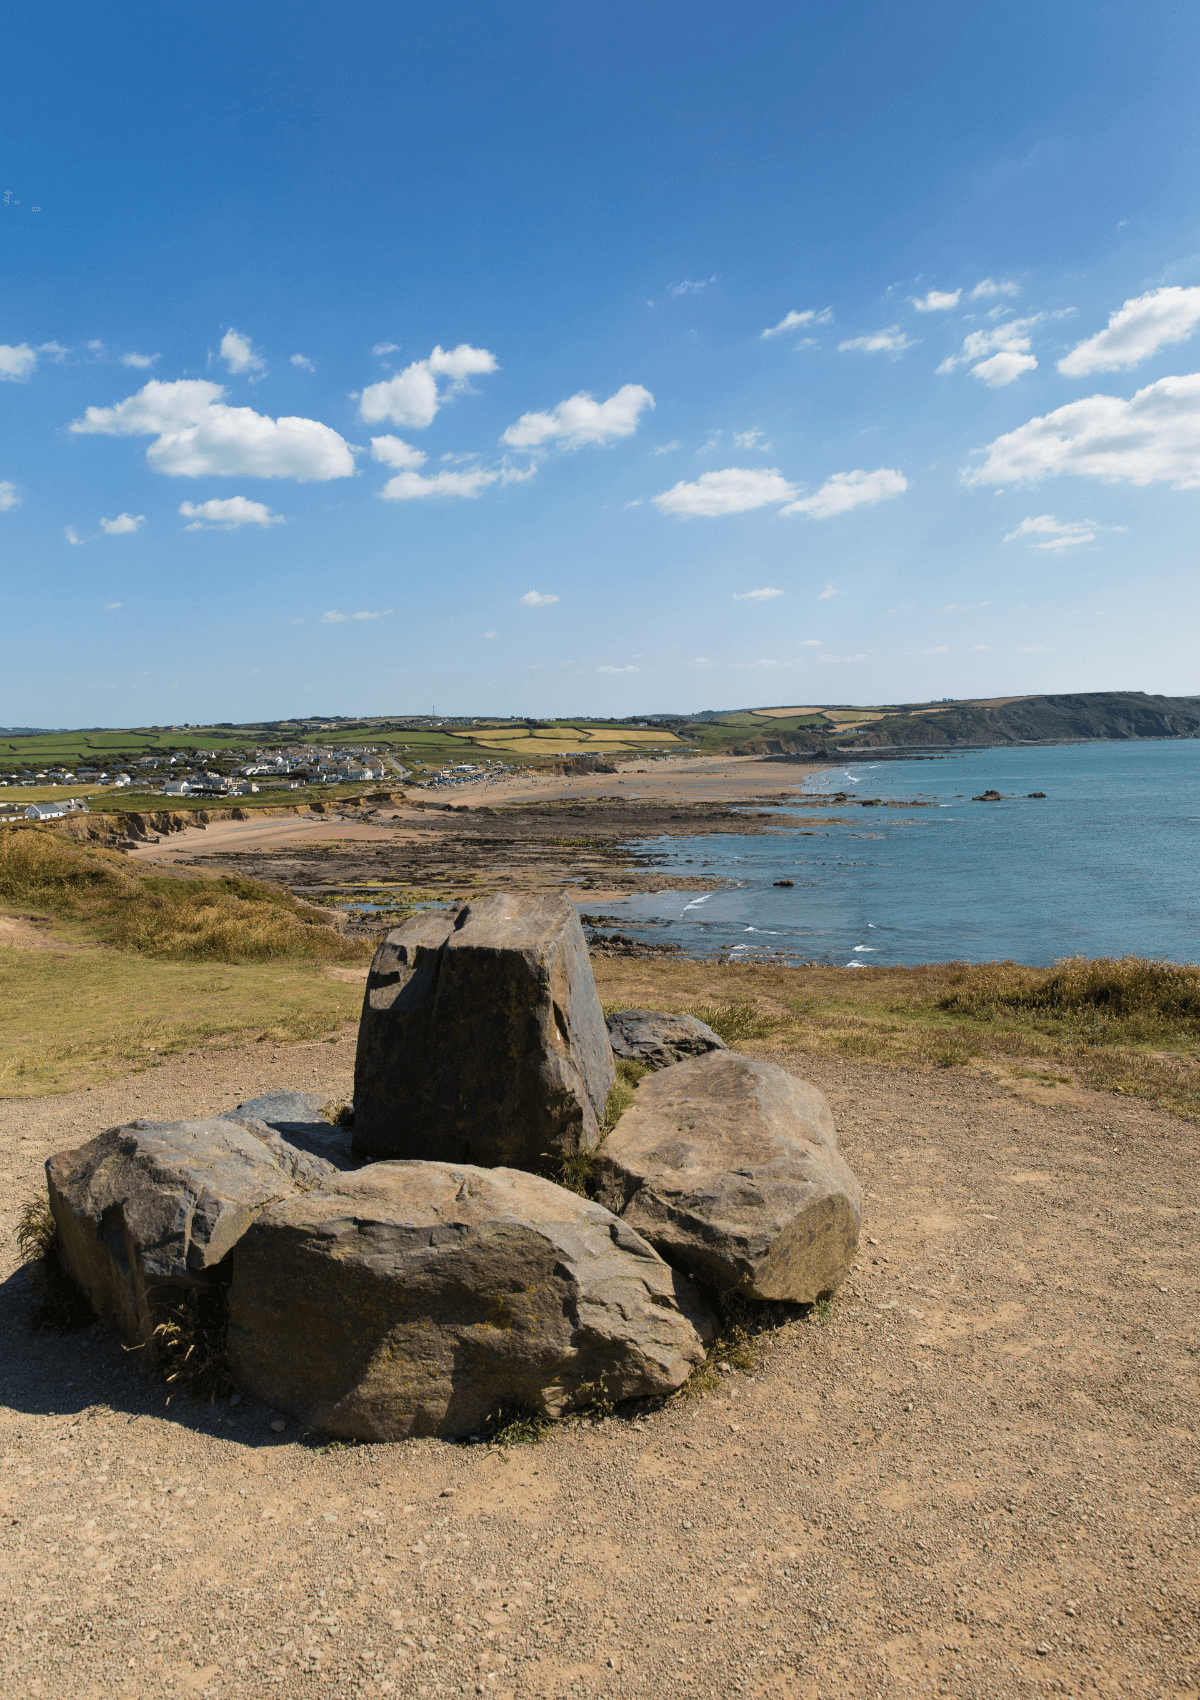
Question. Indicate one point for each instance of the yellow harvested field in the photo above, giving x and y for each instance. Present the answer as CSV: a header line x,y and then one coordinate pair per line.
x,y
568,738
784,713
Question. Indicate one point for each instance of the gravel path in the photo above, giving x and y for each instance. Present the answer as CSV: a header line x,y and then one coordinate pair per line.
x,y
978,1478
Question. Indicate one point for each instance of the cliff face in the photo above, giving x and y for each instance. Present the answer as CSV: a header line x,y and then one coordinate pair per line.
x,y
1048,719
1033,720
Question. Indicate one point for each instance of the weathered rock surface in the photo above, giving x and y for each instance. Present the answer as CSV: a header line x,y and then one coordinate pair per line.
x,y
152,1208
730,1168
659,1038
424,1298
482,1038
296,1117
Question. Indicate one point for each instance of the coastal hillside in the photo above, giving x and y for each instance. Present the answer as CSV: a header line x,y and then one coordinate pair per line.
x,y
1016,720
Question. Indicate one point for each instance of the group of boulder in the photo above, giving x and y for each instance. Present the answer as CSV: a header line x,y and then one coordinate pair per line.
x,y
421,1275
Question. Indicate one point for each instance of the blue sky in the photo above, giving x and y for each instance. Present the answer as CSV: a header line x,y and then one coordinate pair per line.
x,y
595,359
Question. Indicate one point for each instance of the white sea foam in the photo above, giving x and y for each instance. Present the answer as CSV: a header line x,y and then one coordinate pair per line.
x,y
696,902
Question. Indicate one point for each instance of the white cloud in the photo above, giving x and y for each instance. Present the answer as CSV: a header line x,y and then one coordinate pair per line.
x,y
1153,438
846,490
239,355
763,595
989,287
303,362
666,448
412,486
123,524
110,607
981,646
537,599
700,661
139,360
829,591
393,451
734,491
227,514
198,436
8,496
582,419
17,363
412,397
1054,534
810,643
55,350
386,348
847,658
489,634
1002,369
1137,330
333,618
795,321
750,440
1007,346
618,669
891,341
691,286
937,301
71,535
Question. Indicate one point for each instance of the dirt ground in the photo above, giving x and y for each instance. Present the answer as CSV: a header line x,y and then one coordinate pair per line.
x,y
978,1478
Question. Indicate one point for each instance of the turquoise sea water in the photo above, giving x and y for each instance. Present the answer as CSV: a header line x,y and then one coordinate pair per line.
x,y
1107,863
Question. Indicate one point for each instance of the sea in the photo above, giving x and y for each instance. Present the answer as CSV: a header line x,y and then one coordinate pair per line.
x,y
1106,863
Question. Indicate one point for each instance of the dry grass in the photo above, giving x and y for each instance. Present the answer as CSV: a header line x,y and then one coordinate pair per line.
x,y
189,1348
1126,1025
180,919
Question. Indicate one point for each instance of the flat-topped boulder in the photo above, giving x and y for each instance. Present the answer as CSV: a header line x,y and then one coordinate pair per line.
x,y
149,1210
421,1298
659,1037
482,1038
730,1168
296,1117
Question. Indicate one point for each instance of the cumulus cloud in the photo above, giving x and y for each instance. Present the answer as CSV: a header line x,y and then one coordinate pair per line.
x,y
17,363
382,348
829,591
692,286
1135,331
733,491
197,435
763,595
537,599
846,490
8,496
750,440
891,341
303,362
238,353
393,451
1044,531
937,301
989,287
412,397
227,514
666,448
141,361
412,486
1002,369
1152,438
629,669
582,419
1002,353
796,321
334,618
123,524
72,536
55,350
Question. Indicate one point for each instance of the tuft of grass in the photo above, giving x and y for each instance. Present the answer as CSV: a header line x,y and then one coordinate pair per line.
x,y
516,1426
153,914
734,1022
60,1307
189,1347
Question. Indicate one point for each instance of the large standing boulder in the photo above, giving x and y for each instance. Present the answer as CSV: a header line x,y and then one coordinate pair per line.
x,y
730,1168
482,1038
428,1298
659,1037
147,1211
